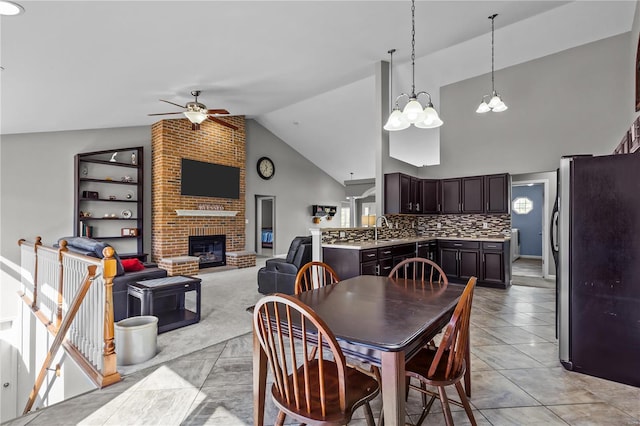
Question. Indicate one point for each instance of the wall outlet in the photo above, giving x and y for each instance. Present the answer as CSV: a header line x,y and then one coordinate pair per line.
x,y
343,234
438,225
485,225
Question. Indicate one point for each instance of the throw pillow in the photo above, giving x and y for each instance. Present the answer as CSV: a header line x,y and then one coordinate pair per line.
x,y
132,265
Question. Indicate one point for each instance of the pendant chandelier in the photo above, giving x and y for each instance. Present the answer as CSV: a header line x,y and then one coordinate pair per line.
x,y
413,112
495,104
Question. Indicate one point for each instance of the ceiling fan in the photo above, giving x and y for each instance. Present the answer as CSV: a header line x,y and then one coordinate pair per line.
x,y
197,112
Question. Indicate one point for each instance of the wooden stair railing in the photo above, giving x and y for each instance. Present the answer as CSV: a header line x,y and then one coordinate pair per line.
x,y
102,373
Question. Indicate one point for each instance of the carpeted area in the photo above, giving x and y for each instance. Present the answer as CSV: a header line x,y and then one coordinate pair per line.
x,y
225,297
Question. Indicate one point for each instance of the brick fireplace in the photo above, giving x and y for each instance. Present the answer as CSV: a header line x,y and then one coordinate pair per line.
x,y
172,140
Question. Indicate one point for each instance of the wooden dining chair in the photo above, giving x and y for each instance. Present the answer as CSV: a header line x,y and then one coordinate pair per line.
x,y
445,365
422,270
322,390
313,275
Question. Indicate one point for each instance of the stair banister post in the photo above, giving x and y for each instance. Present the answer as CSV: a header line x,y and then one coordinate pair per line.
x,y
63,248
34,303
109,352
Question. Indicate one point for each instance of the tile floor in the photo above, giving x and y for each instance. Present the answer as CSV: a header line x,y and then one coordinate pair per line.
x,y
516,380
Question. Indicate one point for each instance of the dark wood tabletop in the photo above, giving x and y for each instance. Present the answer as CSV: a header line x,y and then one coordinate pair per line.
x,y
379,320
382,313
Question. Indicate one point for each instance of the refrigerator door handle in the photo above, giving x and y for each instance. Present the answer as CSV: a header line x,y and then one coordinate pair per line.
x,y
553,237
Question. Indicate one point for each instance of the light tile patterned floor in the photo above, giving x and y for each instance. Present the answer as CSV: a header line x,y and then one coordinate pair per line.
x,y
516,380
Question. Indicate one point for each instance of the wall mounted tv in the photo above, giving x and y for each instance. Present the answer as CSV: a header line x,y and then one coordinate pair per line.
x,y
202,179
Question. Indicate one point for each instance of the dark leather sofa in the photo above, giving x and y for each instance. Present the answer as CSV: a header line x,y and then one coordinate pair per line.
x,y
93,248
279,275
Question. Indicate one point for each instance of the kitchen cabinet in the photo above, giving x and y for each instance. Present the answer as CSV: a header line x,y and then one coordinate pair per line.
x,y
451,192
462,195
402,194
460,260
496,265
428,250
371,261
497,193
430,196
472,196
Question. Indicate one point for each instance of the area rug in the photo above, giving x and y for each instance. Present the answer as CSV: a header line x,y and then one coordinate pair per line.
x,y
533,281
223,316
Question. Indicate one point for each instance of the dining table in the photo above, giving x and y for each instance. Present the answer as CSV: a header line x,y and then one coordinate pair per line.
x,y
378,320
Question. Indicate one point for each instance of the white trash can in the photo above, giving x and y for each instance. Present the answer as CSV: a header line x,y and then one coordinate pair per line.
x,y
136,339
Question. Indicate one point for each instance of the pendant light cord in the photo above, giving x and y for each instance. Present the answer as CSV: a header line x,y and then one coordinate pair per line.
x,y
493,87
413,48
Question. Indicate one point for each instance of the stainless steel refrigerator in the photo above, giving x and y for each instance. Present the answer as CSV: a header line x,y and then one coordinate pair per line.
x,y
597,242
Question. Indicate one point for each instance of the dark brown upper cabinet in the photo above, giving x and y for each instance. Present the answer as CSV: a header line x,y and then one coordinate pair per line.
x,y
497,196
472,200
430,196
451,192
402,194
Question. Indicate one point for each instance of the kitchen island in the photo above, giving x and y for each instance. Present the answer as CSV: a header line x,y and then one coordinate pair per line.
x,y
486,258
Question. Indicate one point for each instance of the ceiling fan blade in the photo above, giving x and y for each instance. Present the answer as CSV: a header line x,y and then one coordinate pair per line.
x,y
173,103
224,123
166,113
217,111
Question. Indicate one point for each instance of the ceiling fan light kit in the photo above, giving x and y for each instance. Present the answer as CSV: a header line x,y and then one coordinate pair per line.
x,y
196,113
495,104
413,112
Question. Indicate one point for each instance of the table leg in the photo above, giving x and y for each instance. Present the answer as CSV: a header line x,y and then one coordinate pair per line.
x,y
393,387
259,381
198,301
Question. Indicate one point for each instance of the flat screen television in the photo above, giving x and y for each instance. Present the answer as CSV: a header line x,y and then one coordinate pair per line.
x,y
202,179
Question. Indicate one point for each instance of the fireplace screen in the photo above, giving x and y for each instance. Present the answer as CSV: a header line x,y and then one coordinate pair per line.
x,y
211,249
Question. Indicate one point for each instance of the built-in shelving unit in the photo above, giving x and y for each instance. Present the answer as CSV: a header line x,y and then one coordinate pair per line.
x,y
108,198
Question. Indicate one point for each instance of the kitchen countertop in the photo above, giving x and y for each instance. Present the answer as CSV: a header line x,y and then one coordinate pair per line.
x,y
363,245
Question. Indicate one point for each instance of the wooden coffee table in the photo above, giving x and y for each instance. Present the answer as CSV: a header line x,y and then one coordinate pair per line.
x,y
169,317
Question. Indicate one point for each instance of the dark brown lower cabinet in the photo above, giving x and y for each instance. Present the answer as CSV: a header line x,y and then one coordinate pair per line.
x,y
496,265
460,260
487,261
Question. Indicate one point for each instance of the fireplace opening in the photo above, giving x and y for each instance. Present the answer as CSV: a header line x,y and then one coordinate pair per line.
x,y
211,249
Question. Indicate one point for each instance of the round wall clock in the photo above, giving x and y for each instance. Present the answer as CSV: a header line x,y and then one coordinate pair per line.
x,y
266,169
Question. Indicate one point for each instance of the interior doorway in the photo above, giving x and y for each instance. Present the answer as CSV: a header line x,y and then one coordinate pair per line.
x,y
528,223
265,225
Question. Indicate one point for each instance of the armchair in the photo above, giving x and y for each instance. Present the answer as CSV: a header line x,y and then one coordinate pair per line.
x,y
279,275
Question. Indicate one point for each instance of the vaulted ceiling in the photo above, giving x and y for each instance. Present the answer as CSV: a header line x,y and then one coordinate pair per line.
x,y
303,69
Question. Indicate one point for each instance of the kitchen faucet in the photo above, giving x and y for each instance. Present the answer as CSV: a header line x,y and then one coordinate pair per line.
x,y
375,226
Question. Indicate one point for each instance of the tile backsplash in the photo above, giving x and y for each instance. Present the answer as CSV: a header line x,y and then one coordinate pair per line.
x,y
406,226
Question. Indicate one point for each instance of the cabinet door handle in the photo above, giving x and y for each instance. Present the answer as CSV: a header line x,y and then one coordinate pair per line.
x,y
417,207
410,206
492,246
459,207
377,269
457,244
438,206
487,206
371,255
386,252
484,259
386,267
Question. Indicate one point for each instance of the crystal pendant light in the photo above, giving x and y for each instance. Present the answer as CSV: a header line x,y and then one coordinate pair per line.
x,y
495,104
413,112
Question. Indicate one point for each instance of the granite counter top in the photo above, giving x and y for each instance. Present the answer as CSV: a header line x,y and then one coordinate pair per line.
x,y
363,245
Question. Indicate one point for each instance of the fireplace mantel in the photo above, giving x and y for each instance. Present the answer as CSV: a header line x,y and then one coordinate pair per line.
x,y
206,212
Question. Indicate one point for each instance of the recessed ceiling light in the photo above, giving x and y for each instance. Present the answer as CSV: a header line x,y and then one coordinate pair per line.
x,y
10,8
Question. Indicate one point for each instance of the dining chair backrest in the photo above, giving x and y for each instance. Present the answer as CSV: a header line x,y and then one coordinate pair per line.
x,y
454,342
309,386
314,275
420,269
